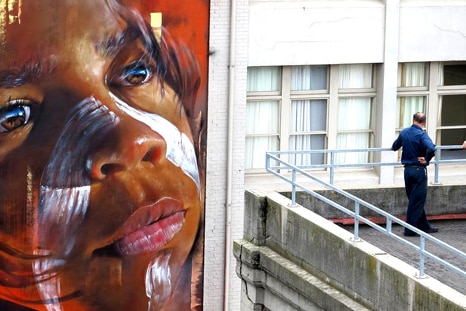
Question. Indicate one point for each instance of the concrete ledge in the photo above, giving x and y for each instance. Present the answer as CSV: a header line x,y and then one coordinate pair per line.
x,y
442,200
302,247
284,285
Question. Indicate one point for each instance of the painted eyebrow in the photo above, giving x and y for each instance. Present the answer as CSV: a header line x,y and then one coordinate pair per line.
x,y
37,69
110,45
29,72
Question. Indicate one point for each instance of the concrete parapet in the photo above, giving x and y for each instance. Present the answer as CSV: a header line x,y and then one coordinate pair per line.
x,y
443,201
293,259
277,283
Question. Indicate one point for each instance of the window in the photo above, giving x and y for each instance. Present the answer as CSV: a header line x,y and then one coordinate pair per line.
x,y
412,92
355,129
262,110
309,78
444,97
308,129
452,127
264,79
308,117
288,109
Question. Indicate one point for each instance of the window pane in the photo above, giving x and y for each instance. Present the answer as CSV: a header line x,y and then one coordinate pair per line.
x,y
354,114
454,110
454,74
262,117
412,74
309,78
307,142
355,76
256,147
406,107
262,123
308,115
352,141
263,79
453,114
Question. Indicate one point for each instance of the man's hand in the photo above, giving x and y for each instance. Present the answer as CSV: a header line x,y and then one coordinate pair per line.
x,y
422,160
464,144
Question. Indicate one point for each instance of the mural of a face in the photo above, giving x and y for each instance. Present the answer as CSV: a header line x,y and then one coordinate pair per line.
x,y
100,187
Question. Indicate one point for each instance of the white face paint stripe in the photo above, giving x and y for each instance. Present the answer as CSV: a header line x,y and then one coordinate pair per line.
x,y
158,281
49,289
180,150
65,183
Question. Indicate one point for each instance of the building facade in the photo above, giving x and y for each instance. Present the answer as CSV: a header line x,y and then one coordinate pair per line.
x,y
320,74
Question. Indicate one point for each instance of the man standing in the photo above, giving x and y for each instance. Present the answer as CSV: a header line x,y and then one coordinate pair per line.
x,y
418,150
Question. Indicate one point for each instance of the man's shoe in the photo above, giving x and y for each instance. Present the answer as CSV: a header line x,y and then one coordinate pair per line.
x,y
431,230
410,233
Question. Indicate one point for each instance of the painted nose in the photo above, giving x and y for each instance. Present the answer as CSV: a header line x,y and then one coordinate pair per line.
x,y
128,145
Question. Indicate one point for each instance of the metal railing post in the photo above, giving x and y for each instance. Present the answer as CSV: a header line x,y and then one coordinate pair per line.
x,y
389,225
436,166
422,247
356,221
332,166
293,188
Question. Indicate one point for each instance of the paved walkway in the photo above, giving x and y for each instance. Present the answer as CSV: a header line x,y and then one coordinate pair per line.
x,y
452,232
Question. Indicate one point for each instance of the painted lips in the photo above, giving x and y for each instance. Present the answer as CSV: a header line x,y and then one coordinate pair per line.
x,y
151,227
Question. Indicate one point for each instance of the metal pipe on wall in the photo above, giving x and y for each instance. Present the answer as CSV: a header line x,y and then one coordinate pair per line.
x,y
231,100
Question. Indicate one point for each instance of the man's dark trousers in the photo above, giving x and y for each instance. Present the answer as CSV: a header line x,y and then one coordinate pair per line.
x,y
416,190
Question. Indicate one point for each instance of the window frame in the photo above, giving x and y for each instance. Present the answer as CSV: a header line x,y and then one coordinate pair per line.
x,y
331,95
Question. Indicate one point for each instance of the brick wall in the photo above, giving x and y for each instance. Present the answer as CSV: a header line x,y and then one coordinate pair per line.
x,y
222,192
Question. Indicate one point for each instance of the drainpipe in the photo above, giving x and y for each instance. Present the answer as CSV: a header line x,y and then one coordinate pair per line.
x,y
231,101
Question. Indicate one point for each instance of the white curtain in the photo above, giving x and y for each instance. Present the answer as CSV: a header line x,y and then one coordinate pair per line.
x,y
355,76
407,107
262,116
410,75
261,132
307,116
309,78
354,114
263,79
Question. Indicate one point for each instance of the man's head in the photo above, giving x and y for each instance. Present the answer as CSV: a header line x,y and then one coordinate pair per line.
x,y
100,191
419,118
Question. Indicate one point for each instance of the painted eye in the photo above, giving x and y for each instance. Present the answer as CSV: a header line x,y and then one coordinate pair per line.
x,y
16,114
136,74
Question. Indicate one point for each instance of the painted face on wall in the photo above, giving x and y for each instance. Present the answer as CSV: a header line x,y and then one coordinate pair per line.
x,y
100,191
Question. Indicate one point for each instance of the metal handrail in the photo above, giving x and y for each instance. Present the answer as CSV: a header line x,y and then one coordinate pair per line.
x,y
331,165
390,219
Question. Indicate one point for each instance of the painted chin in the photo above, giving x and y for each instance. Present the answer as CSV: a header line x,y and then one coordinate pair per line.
x,y
150,228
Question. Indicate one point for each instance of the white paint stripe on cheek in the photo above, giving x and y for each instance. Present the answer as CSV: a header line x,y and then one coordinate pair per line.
x,y
180,150
65,183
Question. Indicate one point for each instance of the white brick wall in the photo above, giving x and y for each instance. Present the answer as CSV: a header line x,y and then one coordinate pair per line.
x,y
217,153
